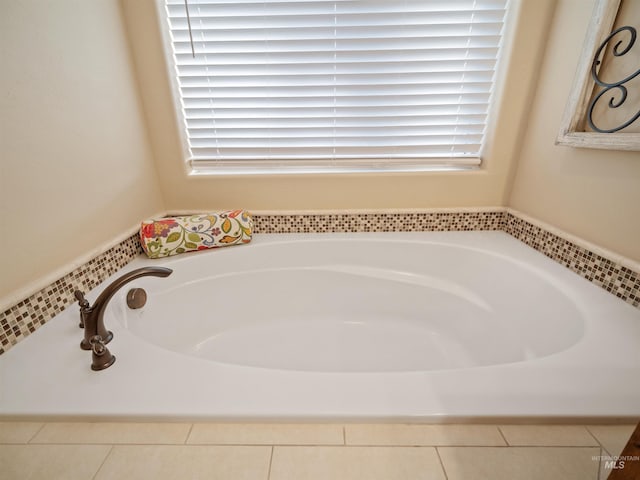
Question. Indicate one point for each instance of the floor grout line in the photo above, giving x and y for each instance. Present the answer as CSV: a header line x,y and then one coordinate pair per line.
x,y
102,463
256,445
605,453
301,445
516,446
593,436
37,432
600,461
444,470
124,444
186,440
502,435
270,463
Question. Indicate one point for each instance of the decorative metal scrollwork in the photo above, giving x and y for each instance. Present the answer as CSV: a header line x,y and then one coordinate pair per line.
x,y
618,86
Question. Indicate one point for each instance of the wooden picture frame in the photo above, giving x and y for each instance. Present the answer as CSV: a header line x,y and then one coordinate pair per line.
x,y
571,133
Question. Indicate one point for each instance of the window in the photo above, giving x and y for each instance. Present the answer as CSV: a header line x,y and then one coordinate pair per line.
x,y
291,86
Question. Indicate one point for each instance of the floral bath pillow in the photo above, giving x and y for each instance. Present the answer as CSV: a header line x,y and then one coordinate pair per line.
x,y
174,235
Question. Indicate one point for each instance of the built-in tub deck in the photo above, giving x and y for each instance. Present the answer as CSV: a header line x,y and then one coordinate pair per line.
x,y
421,327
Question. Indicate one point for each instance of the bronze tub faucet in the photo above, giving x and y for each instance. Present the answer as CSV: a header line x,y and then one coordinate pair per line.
x,y
96,336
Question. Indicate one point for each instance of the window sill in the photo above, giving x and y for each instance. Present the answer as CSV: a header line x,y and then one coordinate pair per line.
x,y
309,167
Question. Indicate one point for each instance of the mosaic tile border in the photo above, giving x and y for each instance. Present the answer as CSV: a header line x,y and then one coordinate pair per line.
x,y
379,222
23,318
615,278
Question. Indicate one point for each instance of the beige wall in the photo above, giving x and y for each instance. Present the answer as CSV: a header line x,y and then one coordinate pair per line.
x,y
593,194
76,168
487,187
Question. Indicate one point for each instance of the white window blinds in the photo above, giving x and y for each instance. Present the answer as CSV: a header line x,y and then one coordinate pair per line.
x,y
379,81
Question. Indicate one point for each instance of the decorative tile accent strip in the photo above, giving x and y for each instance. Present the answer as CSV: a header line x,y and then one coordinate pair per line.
x,y
25,317
617,279
378,222
31,313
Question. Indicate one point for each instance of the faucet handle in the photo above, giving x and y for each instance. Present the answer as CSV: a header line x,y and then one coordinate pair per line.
x,y
97,345
81,300
84,306
100,354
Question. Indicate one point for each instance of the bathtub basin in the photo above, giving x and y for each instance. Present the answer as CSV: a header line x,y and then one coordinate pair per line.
x,y
432,326
378,305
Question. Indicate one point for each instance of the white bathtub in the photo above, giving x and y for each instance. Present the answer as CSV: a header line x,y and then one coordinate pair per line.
x,y
409,326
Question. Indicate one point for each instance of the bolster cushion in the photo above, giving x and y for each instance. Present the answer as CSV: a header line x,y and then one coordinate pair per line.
x,y
172,235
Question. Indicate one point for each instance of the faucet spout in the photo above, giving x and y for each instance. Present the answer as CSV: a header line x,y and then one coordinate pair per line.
x,y
92,316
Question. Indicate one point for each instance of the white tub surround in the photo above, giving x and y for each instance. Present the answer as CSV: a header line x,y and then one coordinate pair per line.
x,y
426,327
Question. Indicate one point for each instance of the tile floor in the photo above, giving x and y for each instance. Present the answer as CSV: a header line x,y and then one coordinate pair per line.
x,y
132,451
